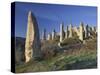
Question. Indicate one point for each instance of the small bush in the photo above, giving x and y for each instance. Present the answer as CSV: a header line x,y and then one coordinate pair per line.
x,y
70,41
49,52
91,44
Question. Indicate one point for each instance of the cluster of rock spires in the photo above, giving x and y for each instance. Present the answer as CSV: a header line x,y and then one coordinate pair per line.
x,y
83,32
33,45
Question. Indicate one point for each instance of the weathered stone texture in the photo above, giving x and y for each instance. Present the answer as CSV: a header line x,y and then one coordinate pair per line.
x,y
32,45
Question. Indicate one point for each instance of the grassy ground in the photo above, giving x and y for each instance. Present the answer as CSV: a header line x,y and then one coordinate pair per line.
x,y
83,58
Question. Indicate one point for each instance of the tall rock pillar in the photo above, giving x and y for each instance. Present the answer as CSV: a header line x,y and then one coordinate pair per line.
x,y
86,31
53,34
66,34
81,36
44,35
70,30
61,32
32,43
49,37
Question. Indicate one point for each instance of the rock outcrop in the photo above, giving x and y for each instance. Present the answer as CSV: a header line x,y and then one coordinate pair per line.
x,y
53,34
81,36
61,32
32,44
44,35
70,31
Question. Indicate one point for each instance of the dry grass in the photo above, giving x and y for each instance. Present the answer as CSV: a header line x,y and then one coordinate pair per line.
x,y
75,58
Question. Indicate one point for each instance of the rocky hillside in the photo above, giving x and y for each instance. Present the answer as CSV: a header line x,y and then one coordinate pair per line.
x,y
19,49
67,57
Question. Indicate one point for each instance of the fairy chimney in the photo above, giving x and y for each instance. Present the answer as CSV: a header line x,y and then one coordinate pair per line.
x,y
44,35
70,31
66,34
53,34
61,32
32,43
49,37
81,36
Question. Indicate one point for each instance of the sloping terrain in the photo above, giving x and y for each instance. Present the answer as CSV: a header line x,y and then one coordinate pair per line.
x,y
19,49
67,57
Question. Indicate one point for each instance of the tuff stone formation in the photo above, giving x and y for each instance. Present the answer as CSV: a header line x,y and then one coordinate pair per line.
x,y
53,34
70,31
44,34
76,30
86,31
32,44
66,34
49,37
81,32
61,32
